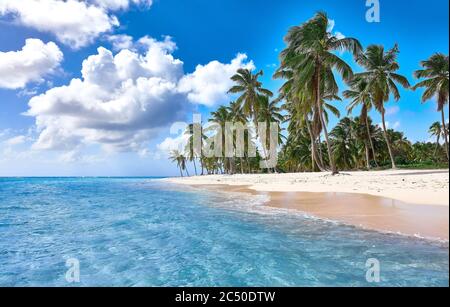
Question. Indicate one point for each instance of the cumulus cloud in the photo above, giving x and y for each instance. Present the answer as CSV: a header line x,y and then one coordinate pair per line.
x,y
120,41
121,101
35,60
208,84
75,23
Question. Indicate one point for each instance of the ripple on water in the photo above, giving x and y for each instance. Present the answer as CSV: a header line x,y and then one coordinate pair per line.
x,y
136,232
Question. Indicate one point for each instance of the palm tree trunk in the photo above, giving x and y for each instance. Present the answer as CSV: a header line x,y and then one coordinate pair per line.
x,y
437,145
445,131
248,164
320,150
367,156
242,165
371,142
181,172
334,170
202,166
387,140
195,167
314,154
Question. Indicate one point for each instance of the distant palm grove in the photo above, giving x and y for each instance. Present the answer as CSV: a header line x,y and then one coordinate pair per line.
x,y
309,66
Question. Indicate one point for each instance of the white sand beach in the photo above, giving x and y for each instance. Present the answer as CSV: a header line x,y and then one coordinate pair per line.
x,y
425,187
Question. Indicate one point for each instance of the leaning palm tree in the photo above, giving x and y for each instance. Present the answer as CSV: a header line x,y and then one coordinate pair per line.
x,y
360,95
251,90
191,152
436,130
381,77
311,54
194,153
436,73
176,156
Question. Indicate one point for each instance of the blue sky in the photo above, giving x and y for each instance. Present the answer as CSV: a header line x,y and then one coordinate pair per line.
x,y
210,33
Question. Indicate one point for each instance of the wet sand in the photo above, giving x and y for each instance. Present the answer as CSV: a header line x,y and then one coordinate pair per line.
x,y
366,211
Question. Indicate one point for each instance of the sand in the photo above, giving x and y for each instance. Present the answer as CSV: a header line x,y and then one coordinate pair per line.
x,y
428,187
408,202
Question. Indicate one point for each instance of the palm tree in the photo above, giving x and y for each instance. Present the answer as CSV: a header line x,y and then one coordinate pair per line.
x,y
251,91
302,109
270,113
436,73
220,117
237,116
360,95
344,145
310,52
436,130
381,77
190,146
194,153
180,159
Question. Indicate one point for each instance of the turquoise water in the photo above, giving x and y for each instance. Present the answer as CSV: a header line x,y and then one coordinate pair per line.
x,y
138,232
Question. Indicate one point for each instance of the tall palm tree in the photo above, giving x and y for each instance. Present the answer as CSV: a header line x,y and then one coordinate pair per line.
x,y
251,90
436,73
220,117
436,130
360,95
194,153
237,116
302,109
311,47
270,113
381,77
191,151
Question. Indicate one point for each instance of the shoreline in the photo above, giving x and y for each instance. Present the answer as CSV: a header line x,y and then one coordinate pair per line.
x,y
422,187
373,211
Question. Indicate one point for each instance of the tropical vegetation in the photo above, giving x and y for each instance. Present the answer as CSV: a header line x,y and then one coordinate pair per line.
x,y
310,65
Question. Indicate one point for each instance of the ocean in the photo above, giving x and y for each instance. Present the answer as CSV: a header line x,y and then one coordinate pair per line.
x,y
143,232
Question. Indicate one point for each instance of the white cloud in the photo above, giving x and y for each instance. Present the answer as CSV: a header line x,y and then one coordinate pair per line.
x,y
120,41
392,110
120,4
339,35
35,60
17,140
394,126
122,101
330,28
208,84
74,23
169,144
331,24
